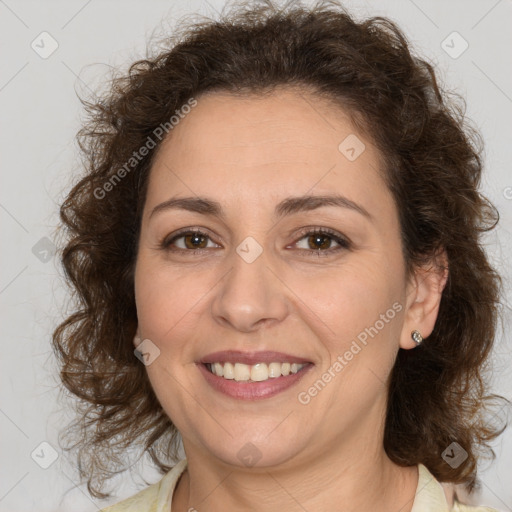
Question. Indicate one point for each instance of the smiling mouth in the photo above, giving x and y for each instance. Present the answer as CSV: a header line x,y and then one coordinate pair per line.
x,y
259,372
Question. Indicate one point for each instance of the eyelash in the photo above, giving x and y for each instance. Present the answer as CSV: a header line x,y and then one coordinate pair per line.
x,y
343,242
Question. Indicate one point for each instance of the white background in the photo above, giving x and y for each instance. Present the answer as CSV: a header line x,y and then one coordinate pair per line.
x,y
39,118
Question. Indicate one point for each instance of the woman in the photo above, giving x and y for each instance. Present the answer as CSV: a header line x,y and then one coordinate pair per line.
x,y
276,252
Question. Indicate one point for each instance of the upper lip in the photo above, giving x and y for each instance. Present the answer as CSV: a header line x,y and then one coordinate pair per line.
x,y
251,358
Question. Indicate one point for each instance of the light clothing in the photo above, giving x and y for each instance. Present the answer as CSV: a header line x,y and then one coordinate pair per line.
x,y
430,496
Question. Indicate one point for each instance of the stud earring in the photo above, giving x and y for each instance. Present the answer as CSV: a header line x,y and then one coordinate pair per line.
x,y
417,337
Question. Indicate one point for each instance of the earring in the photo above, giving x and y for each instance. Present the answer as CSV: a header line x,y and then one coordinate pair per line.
x,y
417,337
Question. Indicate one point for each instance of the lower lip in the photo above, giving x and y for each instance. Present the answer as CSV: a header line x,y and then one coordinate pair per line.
x,y
252,390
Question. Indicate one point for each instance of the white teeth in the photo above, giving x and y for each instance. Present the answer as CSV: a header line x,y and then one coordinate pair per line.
x,y
256,373
219,369
228,371
242,372
274,370
259,372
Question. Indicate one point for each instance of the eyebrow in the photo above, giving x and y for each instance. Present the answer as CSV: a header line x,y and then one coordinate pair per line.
x,y
286,207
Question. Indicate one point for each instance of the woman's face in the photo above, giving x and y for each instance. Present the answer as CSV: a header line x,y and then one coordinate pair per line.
x,y
262,288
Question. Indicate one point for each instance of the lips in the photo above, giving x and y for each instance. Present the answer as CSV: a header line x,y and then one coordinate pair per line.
x,y
251,358
238,381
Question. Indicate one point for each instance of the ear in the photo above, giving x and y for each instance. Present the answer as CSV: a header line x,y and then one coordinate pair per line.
x,y
424,290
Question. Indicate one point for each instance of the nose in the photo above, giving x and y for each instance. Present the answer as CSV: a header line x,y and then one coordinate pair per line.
x,y
249,296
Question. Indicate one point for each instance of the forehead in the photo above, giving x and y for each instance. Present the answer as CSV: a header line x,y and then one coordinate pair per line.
x,y
248,149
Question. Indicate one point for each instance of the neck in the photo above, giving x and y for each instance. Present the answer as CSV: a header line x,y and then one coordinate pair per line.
x,y
351,478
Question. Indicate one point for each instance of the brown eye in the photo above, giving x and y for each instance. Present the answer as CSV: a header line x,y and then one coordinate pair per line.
x,y
189,241
319,242
194,241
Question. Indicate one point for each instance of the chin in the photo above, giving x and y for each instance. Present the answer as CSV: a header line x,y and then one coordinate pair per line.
x,y
255,447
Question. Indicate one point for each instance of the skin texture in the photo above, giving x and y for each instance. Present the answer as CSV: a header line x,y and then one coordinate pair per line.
x,y
248,154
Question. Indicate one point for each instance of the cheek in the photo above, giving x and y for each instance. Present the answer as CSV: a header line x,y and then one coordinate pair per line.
x,y
349,298
358,316
160,298
167,308
170,302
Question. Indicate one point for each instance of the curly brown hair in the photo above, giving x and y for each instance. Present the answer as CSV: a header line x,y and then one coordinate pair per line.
x,y
437,392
